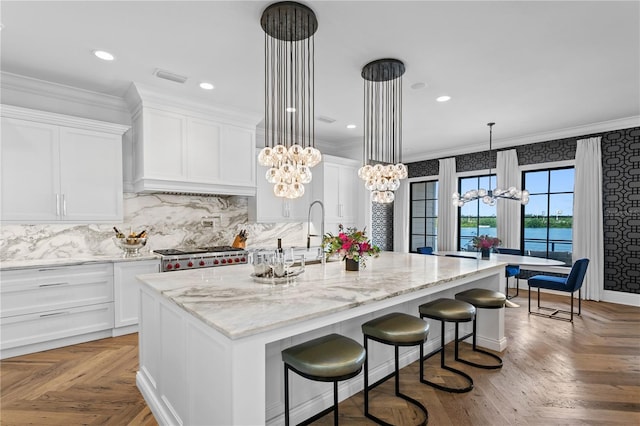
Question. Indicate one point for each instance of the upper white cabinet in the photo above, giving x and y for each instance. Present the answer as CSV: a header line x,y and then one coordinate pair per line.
x,y
190,148
336,183
57,168
265,207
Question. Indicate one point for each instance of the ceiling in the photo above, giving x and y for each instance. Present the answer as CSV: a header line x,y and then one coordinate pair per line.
x,y
534,68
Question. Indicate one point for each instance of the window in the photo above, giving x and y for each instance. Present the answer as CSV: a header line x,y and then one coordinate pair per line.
x,y
424,215
475,218
548,218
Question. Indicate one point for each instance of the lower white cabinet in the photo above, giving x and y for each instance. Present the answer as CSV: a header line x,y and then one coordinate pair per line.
x,y
53,307
127,293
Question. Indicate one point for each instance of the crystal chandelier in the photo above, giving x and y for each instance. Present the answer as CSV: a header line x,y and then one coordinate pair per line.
x,y
489,196
382,129
289,149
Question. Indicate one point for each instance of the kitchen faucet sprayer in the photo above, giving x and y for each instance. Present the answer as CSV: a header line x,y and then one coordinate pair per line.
x,y
309,235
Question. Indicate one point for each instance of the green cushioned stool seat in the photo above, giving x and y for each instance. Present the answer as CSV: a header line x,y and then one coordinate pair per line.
x,y
397,329
330,358
481,298
447,310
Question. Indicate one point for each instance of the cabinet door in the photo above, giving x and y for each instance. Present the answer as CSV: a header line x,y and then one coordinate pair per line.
x,y
90,175
127,289
164,145
237,157
203,151
332,192
30,174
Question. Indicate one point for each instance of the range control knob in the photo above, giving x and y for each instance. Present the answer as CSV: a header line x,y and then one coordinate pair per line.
x,y
177,265
215,262
242,259
169,266
223,261
201,263
190,264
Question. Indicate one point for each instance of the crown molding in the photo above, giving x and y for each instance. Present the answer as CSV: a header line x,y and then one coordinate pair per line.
x,y
23,84
569,132
139,96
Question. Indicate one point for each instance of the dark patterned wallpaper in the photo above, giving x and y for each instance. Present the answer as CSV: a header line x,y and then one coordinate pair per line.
x,y
382,232
621,204
620,194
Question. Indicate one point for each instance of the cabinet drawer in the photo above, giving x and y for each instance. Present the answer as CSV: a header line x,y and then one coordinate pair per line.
x,y
36,328
39,290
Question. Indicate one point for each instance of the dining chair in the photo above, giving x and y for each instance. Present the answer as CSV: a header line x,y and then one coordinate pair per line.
x,y
512,270
570,284
425,250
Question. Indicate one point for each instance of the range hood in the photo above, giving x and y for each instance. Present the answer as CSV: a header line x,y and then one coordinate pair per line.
x,y
182,146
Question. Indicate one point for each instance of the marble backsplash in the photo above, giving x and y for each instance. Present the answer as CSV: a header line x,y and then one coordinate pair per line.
x,y
170,220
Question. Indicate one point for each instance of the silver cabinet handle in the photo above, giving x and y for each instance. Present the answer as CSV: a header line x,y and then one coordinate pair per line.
x,y
64,205
53,314
52,284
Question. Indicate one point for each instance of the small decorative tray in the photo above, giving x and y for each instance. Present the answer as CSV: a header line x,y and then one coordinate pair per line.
x,y
270,279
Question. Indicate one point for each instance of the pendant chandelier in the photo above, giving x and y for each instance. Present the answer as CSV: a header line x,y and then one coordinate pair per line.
x,y
490,196
289,149
382,129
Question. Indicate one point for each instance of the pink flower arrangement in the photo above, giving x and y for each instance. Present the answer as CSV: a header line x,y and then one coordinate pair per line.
x,y
350,244
485,242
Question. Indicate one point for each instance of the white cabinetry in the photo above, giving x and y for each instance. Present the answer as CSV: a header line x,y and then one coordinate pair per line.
x,y
190,148
265,207
127,293
59,168
53,307
341,191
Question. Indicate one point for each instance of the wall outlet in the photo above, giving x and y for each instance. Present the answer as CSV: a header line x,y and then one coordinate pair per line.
x,y
210,221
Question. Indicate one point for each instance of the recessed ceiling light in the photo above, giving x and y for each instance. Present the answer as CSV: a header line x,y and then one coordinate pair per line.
x,y
443,98
105,56
290,109
418,86
351,126
207,86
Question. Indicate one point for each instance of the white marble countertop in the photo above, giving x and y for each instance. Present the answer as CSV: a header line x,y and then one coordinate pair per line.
x,y
7,265
231,302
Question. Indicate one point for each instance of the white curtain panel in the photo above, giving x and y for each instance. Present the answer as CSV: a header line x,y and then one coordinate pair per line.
x,y
588,239
401,219
508,212
447,212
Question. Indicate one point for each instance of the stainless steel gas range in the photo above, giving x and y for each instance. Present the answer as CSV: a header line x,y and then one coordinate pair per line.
x,y
201,257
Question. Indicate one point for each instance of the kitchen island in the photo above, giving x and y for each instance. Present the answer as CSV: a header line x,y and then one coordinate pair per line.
x,y
210,339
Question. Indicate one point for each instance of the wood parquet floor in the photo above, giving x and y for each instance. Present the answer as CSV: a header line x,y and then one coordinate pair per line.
x,y
555,373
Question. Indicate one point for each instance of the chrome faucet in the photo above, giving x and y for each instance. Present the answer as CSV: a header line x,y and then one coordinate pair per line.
x,y
309,235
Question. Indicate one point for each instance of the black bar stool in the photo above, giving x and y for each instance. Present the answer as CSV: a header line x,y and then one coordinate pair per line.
x,y
397,329
481,299
447,310
331,358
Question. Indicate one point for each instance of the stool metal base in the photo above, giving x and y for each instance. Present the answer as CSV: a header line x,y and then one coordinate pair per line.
x,y
475,349
444,366
395,373
324,412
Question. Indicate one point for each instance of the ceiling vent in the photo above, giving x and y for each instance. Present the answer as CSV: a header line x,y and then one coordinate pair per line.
x,y
325,119
167,75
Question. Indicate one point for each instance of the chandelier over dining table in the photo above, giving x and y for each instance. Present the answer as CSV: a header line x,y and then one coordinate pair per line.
x,y
490,196
289,149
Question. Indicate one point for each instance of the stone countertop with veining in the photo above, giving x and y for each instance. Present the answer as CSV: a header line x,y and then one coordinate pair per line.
x,y
230,301
7,265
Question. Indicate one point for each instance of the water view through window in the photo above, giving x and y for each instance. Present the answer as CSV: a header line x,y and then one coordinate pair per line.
x,y
546,226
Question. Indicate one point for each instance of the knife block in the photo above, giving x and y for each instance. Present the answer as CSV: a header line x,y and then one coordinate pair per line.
x,y
238,242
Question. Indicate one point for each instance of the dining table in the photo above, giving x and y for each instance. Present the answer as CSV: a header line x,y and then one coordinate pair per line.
x,y
511,259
